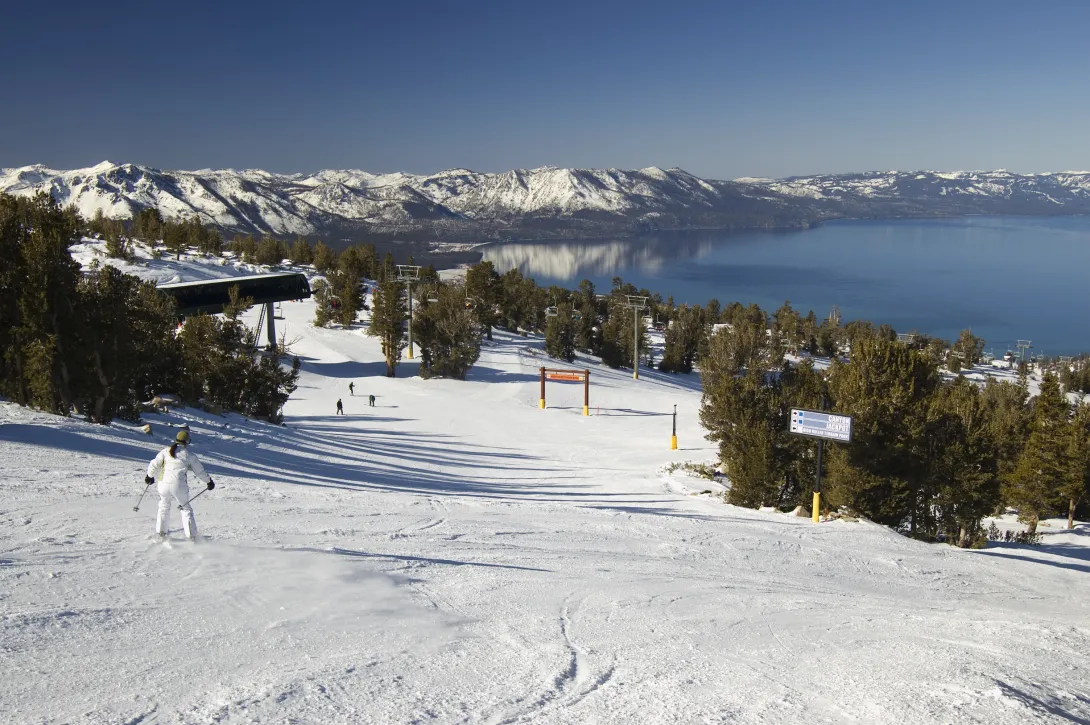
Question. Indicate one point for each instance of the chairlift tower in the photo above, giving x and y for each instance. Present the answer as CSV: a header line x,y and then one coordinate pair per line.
x,y
1024,345
635,303
409,273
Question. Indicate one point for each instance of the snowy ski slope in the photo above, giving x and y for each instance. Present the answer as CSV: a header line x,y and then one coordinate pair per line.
x,y
456,555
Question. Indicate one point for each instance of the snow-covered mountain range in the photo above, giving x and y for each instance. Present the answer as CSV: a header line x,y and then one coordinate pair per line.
x,y
459,204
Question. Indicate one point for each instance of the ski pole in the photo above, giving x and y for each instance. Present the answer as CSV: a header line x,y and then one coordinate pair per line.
x,y
139,500
182,506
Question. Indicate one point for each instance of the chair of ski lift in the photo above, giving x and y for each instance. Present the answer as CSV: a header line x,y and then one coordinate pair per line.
x,y
551,311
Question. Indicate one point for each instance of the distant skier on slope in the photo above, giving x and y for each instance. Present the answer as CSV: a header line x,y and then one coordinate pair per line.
x,y
371,400
340,407
169,468
352,389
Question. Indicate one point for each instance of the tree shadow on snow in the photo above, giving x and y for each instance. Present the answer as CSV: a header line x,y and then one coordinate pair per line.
x,y
482,373
656,511
1055,707
47,437
355,415
421,559
1062,565
346,369
620,412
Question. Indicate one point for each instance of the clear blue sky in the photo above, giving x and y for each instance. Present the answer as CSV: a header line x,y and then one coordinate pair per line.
x,y
722,89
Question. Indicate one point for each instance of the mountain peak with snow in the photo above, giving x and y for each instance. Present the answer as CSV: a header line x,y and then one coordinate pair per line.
x,y
546,201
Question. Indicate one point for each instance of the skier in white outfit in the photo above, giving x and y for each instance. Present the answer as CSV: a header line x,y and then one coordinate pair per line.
x,y
170,469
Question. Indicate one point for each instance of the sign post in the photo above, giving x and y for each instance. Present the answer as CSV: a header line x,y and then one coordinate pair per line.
x,y
567,375
586,393
542,401
822,427
673,435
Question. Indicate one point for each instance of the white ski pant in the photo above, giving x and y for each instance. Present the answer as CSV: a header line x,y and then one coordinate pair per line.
x,y
178,491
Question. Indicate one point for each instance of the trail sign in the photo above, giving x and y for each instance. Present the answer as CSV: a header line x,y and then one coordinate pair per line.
x,y
823,426
564,375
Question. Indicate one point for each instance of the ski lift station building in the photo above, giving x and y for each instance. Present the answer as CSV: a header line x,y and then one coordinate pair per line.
x,y
210,296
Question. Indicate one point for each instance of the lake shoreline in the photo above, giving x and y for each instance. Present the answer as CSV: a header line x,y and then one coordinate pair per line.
x,y
1001,275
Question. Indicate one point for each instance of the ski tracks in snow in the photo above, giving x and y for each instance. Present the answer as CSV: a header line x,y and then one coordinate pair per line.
x,y
575,682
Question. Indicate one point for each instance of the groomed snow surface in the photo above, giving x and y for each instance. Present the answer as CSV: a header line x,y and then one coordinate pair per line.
x,y
456,555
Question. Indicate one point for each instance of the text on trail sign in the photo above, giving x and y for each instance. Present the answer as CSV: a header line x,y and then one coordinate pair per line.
x,y
559,375
816,424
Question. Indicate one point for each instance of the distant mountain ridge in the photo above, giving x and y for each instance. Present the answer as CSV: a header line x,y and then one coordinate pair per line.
x,y
464,205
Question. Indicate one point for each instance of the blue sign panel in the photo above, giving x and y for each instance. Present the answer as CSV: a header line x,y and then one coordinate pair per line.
x,y
815,424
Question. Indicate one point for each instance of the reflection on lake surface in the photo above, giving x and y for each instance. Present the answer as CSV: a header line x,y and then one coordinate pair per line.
x,y
1006,277
579,260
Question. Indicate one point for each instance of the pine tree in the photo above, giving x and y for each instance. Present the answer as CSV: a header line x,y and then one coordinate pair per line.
x,y
887,388
270,252
97,225
244,247
743,345
617,334
357,261
560,334
588,333
347,291
388,321
1034,485
323,303
194,233
40,290
209,241
148,226
969,348
712,310
517,301
301,253
686,337
800,386
389,268
960,458
325,259
1008,419
176,238
483,292
739,414
13,235
787,324
1076,484
116,245
448,334
127,343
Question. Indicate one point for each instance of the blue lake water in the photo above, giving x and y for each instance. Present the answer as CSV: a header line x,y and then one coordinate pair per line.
x,y
1007,278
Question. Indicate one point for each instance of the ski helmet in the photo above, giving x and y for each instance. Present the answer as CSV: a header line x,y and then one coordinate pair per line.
x,y
182,437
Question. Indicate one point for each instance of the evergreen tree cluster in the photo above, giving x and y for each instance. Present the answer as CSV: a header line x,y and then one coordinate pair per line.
x,y
929,456
101,342
1075,376
446,331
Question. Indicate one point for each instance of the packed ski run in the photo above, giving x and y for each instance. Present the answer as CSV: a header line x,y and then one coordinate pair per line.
x,y
454,554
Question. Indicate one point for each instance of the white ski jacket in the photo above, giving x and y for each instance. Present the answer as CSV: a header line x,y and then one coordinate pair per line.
x,y
173,470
